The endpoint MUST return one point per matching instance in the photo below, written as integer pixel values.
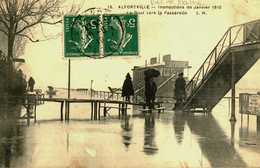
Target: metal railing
(99, 94)
(237, 35)
(140, 90)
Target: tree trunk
(10, 47)
(10, 71)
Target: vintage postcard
(129, 84)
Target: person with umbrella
(150, 86)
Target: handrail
(166, 81)
(138, 90)
(253, 21)
(200, 74)
(217, 54)
(159, 87)
(208, 57)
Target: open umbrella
(151, 73)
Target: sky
(186, 37)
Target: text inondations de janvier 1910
(169, 7)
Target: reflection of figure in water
(7, 154)
(179, 91)
(126, 131)
(31, 83)
(179, 125)
(150, 91)
(150, 146)
(127, 89)
(258, 125)
(10, 135)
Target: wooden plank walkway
(96, 105)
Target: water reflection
(11, 135)
(250, 128)
(258, 125)
(233, 124)
(179, 121)
(249, 133)
(96, 143)
(150, 146)
(127, 132)
(214, 143)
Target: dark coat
(150, 89)
(153, 90)
(127, 89)
(147, 89)
(180, 84)
(31, 82)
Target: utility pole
(69, 70)
(233, 89)
(91, 84)
(67, 106)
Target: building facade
(169, 70)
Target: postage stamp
(120, 34)
(81, 36)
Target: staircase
(212, 81)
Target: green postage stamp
(120, 35)
(83, 35)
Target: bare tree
(18, 17)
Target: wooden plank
(92, 110)
(119, 110)
(95, 106)
(94, 100)
(61, 111)
(99, 111)
(160, 109)
(25, 117)
(115, 107)
(95, 110)
(145, 110)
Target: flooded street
(171, 139)
(129, 84)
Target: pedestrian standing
(127, 89)
(147, 91)
(179, 91)
(31, 83)
(153, 92)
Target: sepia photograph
(129, 84)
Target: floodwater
(169, 140)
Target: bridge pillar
(232, 139)
(233, 89)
